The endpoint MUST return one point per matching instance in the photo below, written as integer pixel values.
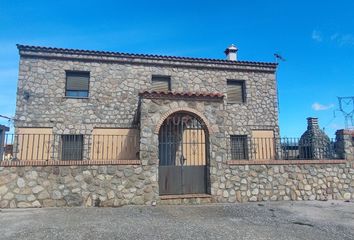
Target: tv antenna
(278, 57)
(346, 106)
(9, 119)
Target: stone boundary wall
(243, 183)
(58, 186)
(116, 185)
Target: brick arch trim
(184, 109)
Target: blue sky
(315, 37)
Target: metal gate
(183, 155)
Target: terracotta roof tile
(204, 95)
(143, 56)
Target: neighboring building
(182, 117)
(314, 143)
(3, 130)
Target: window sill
(68, 97)
(239, 103)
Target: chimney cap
(312, 119)
(231, 49)
(312, 122)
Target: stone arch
(184, 109)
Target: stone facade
(246, 182)
(117, 80)
(117, 100)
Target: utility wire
(9, 118)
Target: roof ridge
(113, 53)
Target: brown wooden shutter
(160, 84)
(77, 81)
(235, 92)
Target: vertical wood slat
(161, 83)
(265, 148)
(33, 143)
(111, 144)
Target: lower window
(238, 147)
(72, 147)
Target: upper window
(77, 84)
(161, 83)
(236, 91)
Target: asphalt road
(269, 220)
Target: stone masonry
(116, 81)
(117, 100)
(286, 182)
(120, 185)
(88, 186)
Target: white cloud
(340, 39)
(346, 39)
(319, 107)
(343, 39)
(317, 36)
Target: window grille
(72, 147)
(238, 147)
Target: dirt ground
(265, 220)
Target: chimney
(231, 53)
(312, 122)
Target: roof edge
(32, 48)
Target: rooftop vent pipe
(231, 53)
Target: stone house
(109, 128)
(77, 94)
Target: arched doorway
(183, 155)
